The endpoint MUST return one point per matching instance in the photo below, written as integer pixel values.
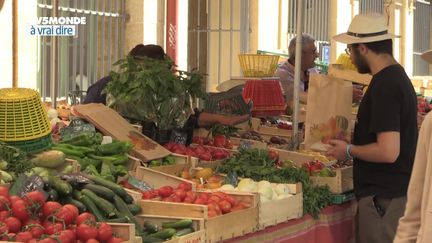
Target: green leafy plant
(149, 90)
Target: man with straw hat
(385, 133)
(415, 225)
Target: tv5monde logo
(56, 26)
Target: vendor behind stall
(95, 92)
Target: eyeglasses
(348, 51)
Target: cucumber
(118, 220)
(101, 203)
(100, 191)
(149, 239)
(124, 211)
(180, 224)
(163, 234)
(91, 206)
(134, 209)
(151, 228)
(117, 189)
(61, 186)
(81, 207)
(184, 231)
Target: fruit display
(219, 141)
(317, 168)
(32, 219)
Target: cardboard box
(109, 122)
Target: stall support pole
(297, 73)
(15, 43)
(54, 62)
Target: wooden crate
(133, 163)
(296, 157)
(76, 167)
(277, 211)
(342, 182)
(236, 142)
(197, 224)
(158, 179)
(274, 131)
(249, 126)
(124, 231)
(174, 170)
(217, 228)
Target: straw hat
(427, 56)
(365, 28)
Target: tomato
(49, 208)
(52, 228)
(64, 215)
(3, 228)
(32, 241)
(191, 194)
(31, 222)
(65, 236)
(23, 236)
(104, 232)
(214, 198)
(73, 209)
(185, 186)
(212, 206)
(13, 199)
(115, 240)
(200, 201)
(85, 217)
(165, 191)
(35, 229)
(13, 224)
(34, 197)
(219, 141)
(147, 195)
(4, 191)
(85, 232)
(47, 240)
(225, 206)
(212, 213)
(180, 193)
(4, 215)
(92, 241)
(188, 200)
(4, 203)
(19, 210)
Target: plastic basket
(257, 65)
(33, 146)
(22, 116)
(226, 103)
(266, 97)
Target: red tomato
(49, 208)
(212, 214)
(47, 240)
(19, 210)
(185, 186)
(23, 236)
(104, 232)
(180, 193)
(35, 229)
(31, 222)
(225, 206)
(4, 203)
(147, 195)
(73, 209)
(191, 194)
(65, 216)
(3, 228)
(4, 215)
(231, 200)
(13, 199)
(212, 206)
(115, 240)
(92, 241)
(34, 197)
(85, 232)
(85, 217)
(188, 200)
(165, 191)
(214, 198)
(13, 224)
(52, 228)
(4, 191)
(200, 201)
(65, 236)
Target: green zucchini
(101, 203)
(163, 234)
(180, 224)
(134, 209)
(91, 206)
(118, 220)
(61, 186)
(150, 227)
(149, 239)
(100, 191)
(124, 211)
(117, 189)
(184, 231)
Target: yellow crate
(257, 65)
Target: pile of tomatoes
(31, 219)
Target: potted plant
(148, 90)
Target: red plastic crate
(266, 96)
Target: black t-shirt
(94, 92)
(389, 104)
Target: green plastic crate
(342, 198)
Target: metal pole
(54, 61)
(14, 43)
(297, 70)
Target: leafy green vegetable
(16, 159)
(219, 129)
(148, 90)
